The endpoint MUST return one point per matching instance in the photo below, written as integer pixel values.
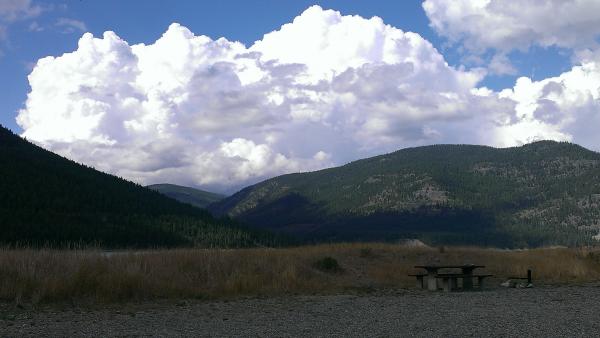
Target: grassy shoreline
(48, 276)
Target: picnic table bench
(448, 281)
(512, 281)
(528, 278)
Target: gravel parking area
(539, 312)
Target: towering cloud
(322, 90)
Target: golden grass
(28, 275)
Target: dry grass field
(47, 276)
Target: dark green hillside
(46, 199)
(196, 197)
(538, 194)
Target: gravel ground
(539, 312)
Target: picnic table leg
(431, 282)
(447, 284)
(468, 279)
(480, 282)
(420, 284)
(468, 283)
(453, 283)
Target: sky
(222, 94)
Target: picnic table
(449, 281)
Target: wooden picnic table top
(461, 275)
(463, 266)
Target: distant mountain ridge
(196, 197)
(46, 199)
(538, 194)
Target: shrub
(328, 264)
(366, 253)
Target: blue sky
(245, 21)
(309, 85)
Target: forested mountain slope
(537, 194)
(196, 197)
(46, 199)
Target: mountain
(196, 197)
(46, 199)
(538, 194)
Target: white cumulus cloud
(566, 107)
(320, 91)
(509, 25)
(496, 28)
